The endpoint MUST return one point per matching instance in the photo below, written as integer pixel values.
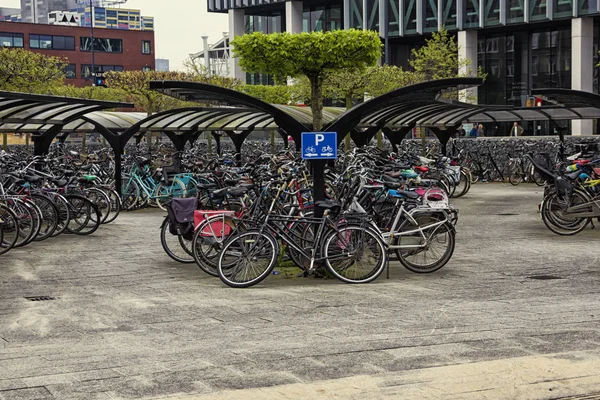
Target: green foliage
(24, 71)
(285, 55)
(438, 59)
(90, 92)
(386, 78)
(135, 84)
(278, 94)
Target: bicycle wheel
(50, 217)
(247, 258)
(515, 175)
(101, 200)
(64, 213)
(208, 241)
(354, 254)
(130, 193)
(463, 186)
(85, 216)
(26, 223)
(432, 250)
(557, 220)
(164, 193)
(175, 245)
(9, 227)
(115, 205)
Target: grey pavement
(513, 315)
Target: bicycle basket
(181, 217)
(435, 198)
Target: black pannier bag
(181, 217)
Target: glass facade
(551, 59)
(516, 11)
(322, 18)
(356, 14)
(265, 23)
(431, 16)
(449, 17)
(492, 13)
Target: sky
(178, 24)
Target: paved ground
(129, 323)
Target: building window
(102, 45)
(146, 68)
(86, 69)
(11, 39)
(146, 47)
(71, 71)
(49, 42)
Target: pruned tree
(24, 71)
(286, 55)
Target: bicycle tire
(407, 257)
(50, 217)
(206, 249)
(552, 210)
(355, 237)
(174, 244)
(9, 224)
(85, 216)
(241, 254)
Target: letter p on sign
(319, 138)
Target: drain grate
(506, 214)
(544, 277)
(40, 298)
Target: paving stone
(129, 322)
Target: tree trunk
(4, 141)
(103, 141)
(27, 138)
(272, 142)
(423, 141)
(316, 101)
(347, 139)
(379, 135)
(209, 141)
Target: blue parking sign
(319, 145)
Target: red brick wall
(131, 58)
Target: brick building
(114, 49)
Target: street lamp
(92, 41)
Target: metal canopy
(30, 113)
(113, 121)
(204, 119)
(233, 113)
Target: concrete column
(236, 28)
(293, 16)
(206, 54)
(467, 49)
(347, 6)
(582, 63)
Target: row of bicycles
(571, 200)
(44, 197)
(377, 205)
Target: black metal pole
(386, 37)
(92, 42)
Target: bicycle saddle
(219, 193)
(237, 191)
(328, 204)
(392, 185)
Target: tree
(439, 59)
(136, 85)
(387, 78)
(24, 71)
(278, 94)
(286, 55)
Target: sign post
(318, 147)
